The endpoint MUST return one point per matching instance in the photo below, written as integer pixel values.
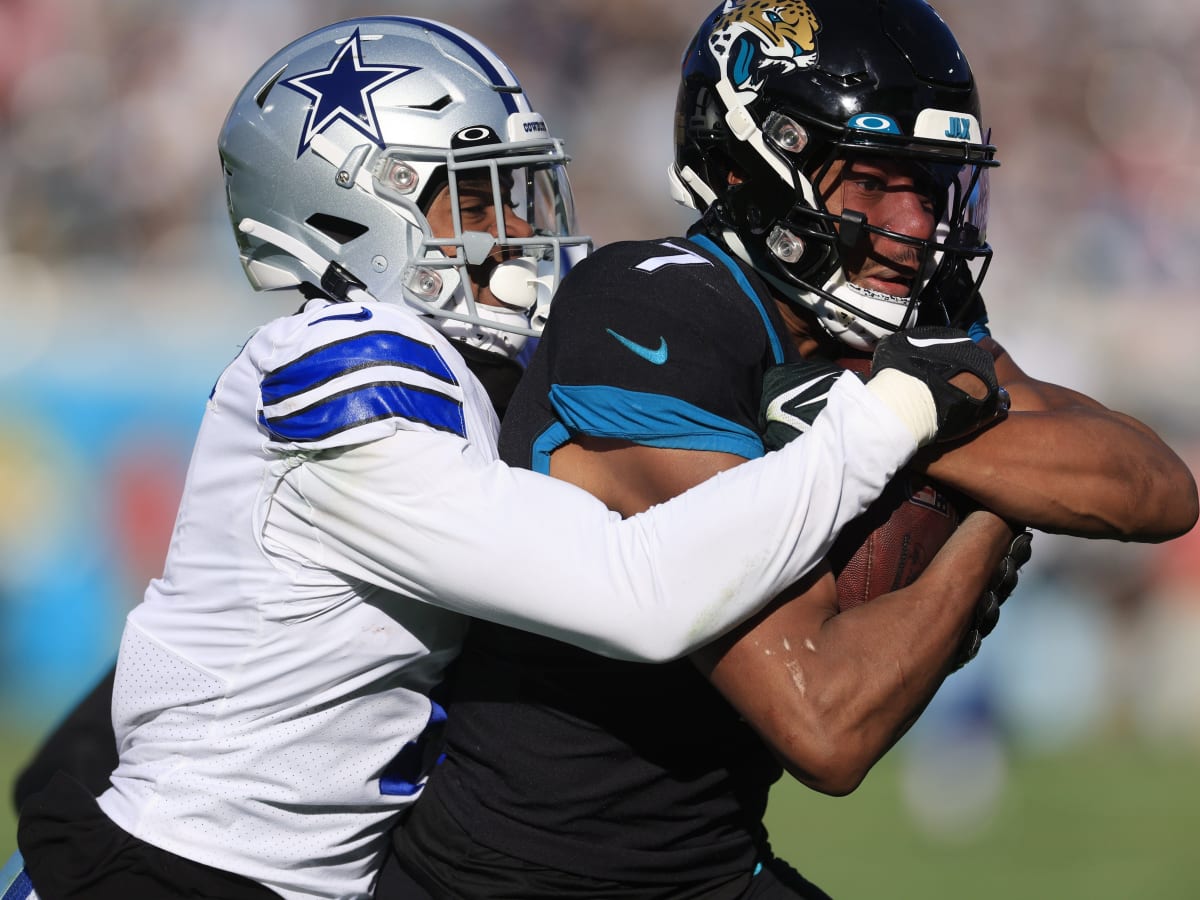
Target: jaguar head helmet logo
(752, 37)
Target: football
(890, 544)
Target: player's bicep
(631, 477)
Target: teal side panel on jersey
(744, 284)
(545, 444)
(653, 420)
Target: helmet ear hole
(337, 229)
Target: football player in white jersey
(345, 512)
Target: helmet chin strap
(849, 329)
(855, 331)
(500, 340)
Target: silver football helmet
(335, 148)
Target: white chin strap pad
(850, 329)
(514, 282)
(525, 284)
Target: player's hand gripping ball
(889, 545)
(1004, 581)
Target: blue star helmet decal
(342, 91)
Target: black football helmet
(776, 92)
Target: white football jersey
(344, 512)
(260, 693)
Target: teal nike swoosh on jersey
(654, 357)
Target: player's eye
(867, 184)
(474, 209)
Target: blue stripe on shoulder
(368, 403)
(744, 283)
(654, 420)
(14, 880)
(374, 348)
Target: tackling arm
(428, 517)
(1062, 462)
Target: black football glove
(1004, 580)
(792, 396)
(935, 354)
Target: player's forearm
(1084, 470)
(831, 693)
(1063, 462)
(916, 635)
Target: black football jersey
(641, 774)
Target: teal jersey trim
(653, 420)
(744, 283)
(551, 438)
(979, 329)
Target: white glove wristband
(910, 399)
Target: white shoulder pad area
(341, 374)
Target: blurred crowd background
(122, 299)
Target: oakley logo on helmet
(342, 92)
(874, 122)
(474, 136)
(753, 35)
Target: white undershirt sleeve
(425, 515)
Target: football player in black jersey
(835, 151)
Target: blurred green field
(1114, 822)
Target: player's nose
(907, 212)
(515, 226)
